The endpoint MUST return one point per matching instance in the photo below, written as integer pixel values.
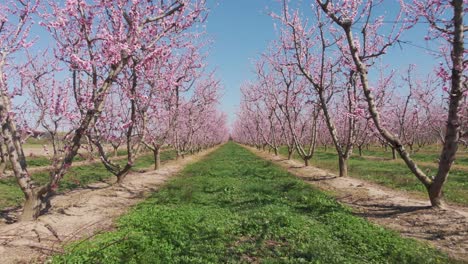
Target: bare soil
(9, 173)
(32, 150)
(446, 229)
(433, 164)
(80, 214)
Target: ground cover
(78, 176)
(394, 173)
(235, 207)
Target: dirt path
(80, 214)
(446, 229)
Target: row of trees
(324, 80)
(126, 73)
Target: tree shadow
(98, 187)
(385, 211)
(319, 178)
(135, 194)
(9, 215)
(297, 167)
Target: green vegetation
(234, 207)
(79, 176)
(394, 173)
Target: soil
(32, 150)
(446, 229)
(9, 173)
(433, 164)
(80, 214)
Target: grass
(79, 176)
(394, 173)
(233, 207)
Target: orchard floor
(231, 206)
(81, 213)
(235, 207)
(445, 229)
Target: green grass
(391, 173)
(79, 176)
(233, 207)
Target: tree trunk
(435, 195)
(2, 153)
(306, 162)
(157, 158)
(2, 161)
(453, 127)
(360, 151)
(89, 148)
(31, 206)
(116, 154)
(343, 165)
(276, 151)
(393, 153)
(121, 177)
(2, 168)
(290, 152)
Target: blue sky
(242, 29)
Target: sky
(242, 29)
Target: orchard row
(120, 73)
(325, 80)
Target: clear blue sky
(242, 29)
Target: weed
(233, 207)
